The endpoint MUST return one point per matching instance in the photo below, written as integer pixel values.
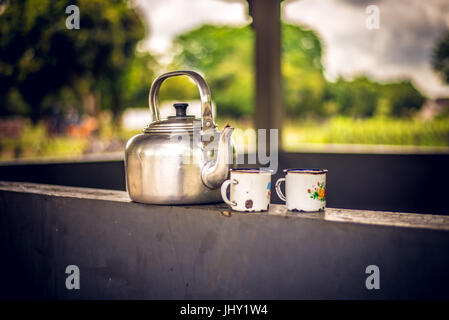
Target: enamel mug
(250, 189)
(305, 189)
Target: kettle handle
(207, 120)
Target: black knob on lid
(180, 109)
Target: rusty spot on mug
(248, 204)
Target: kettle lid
(181, 122)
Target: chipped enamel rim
(251, 170)
(305, 171)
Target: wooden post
(269, 111)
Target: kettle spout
(215, 172)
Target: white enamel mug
(305, 189)
(250, 189)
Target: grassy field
(379, 131)
(36, 143)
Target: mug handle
(278, 189)
(224, 188)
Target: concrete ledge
(387, 182)
(396, 219)
(131, 250)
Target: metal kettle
(181, 159)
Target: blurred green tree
(178, 89)
(440, 57)
(357, 97)
(403, 97)
(304, 84)
(133, 83)
(362, 97)
(39, 56)
(224, 55)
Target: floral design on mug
(318, 192)
(269, 190)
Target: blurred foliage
(180, 89)
(304, 84)
(136, 80)
(224, 55)
(36, 142)
(43, 64)
(440, 57)
(362, 97)
(376, 130)
(46, 69)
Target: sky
(400, 48)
